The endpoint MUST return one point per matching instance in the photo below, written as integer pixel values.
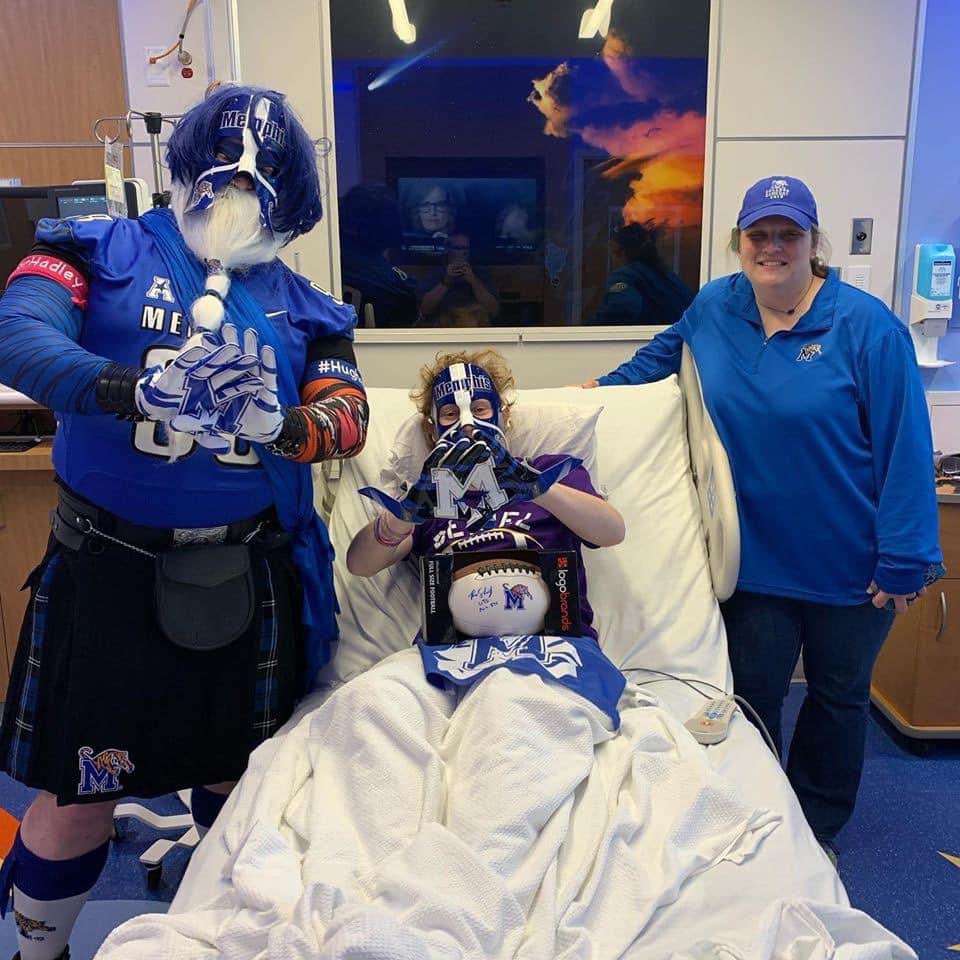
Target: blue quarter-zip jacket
(828, 436)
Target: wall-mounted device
(861, 239)
(931, 300)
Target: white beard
(228, 231)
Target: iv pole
(154, 122)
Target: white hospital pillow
(535, 429)
(652, 595)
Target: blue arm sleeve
(907, 522)
(655, 360)
(39, 354)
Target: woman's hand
(586, 385)
(901, 601)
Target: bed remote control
(709, 724)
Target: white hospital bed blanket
(731, 911)
(795, 930)
(398, 820)
(786, 902)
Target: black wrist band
(292, 437)
(116, 390)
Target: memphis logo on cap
(778, 196)
(777, 190)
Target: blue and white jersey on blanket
(575, 662)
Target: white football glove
(234, 409)
(198, 381)
(258, 416)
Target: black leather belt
(76, 521)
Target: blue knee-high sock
(205, 805)
(47, 896)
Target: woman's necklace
(793, 309)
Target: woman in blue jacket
(814, 389)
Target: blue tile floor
(907, 816)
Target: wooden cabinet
(27, 495)
(46, 124)
(916, 680)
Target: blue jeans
(765, 635)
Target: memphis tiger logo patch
(202, 191)
(514, 596)
(809, 352)
(100, 772)
(30, 928)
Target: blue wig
(192, 150)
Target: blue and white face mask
(250, 139)
(462, 384)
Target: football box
(559, 569)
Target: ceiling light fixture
(596, 20)
(402, 26)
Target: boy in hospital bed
(547, 504)
(499, 685)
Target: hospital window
(519, 162)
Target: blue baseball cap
(779, 197)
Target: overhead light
(402, 26)
(596, 20)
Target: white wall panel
(291, 53)
(849, 178)
(815, 68)
(157, 24)
(944, 406)
(395, 359)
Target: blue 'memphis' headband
(462, 383)
(258, 126)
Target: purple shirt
(522, 525)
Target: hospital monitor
(89, 196)
(22, 207)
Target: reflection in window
(502, 172)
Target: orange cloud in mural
(631, 112)
(669, 191)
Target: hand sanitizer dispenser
(931, 304)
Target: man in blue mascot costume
(186, 596)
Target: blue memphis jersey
(134, 318)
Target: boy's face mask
(461, 385)
(251, 140)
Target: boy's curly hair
(491, 360)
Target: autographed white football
(499, 598)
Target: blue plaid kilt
(101, 705)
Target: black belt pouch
(205, 596)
